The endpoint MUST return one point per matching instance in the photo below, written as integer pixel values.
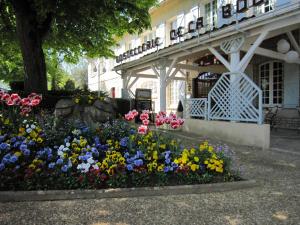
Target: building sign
(241, 7)
(138, 50)
(193, 26)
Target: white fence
(196, 107)
(235, 97)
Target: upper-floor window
(211, 14)
(268, 6)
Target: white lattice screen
(196, 107)
(235, 97)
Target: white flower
(76, 132)
(90, 160)
(60, 153)
(61, 147)
(84, 167)
(27, 125)
(28, 130)
(66, 149)
(33, 126)
(68, 144)
(95, 167)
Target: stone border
(53, 195)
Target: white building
(256, 43)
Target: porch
(256, 74)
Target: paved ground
(275, 201)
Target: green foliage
(70, 85)
(79, 27)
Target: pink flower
(144, 116)
(9, 102)
(181, 121)
(175, 124)
(32, 95)
(162, 113)
(16, 99)
(25, 110)
(146, 122)
(142, 129)
(5, 96)
(173, 116)
(129, 116)
(167, 120)
(159, 122)
(25, 101)
(134, 112)
(35, 102)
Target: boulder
(100, 111)
(64, 107)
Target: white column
(163, 88)
(234, 62)
(125, 93)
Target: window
(150, 85)
(211, 14)
(176, 87)
(266, 7)
(271, 82)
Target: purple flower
(166, 169)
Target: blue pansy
(59, 161)
(51, 165)
(26, 152)
(138, 162)
(13, 139)
(4, 146)
(23, 147)
(64, 168)
(1, 138)
(166, 169)
(129, 167)
(124, 141)
(2, 166)
(168, 160)
(132, 131)
(13, 159)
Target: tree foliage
(72, 28)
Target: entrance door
(271, 83)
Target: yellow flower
(160, 168)
(39, 140)
(196, 159)
(176, 161)
(76, 100)
(210, 148)
(122, 160)
(219, 169)
(139, 142)
(163, 146)
(38, 170)
(18, 154)
(193, 151)
(21, 129)
(6, 121)
(155, 156)
(31, 166)
(202, 147)
(194, 167)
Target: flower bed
(59, 155)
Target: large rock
(100, 111)
(64, 107)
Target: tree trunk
(31, 47)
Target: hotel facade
(228, 61)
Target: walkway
(275, 201)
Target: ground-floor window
(271, 82)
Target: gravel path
(275, 201)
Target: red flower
(142, 129)
(181, 121)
